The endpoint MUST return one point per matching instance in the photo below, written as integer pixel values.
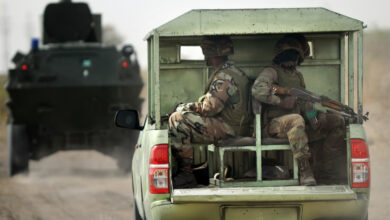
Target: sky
(133, 19)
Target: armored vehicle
(228, 193)
(64, 94)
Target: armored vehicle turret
(64, 93)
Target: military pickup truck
(335, 54)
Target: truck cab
(334, 69)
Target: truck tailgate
(261, 194)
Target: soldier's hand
(288, 102)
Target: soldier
(221, 113)
(283, 114)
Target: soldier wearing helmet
(222, 112)
(282, 115)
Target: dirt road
(67, 185)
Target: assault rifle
(333, 105)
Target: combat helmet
(295, 42)
(216, 46)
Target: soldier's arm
(222, 91)
(261, 89)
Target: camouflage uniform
(221, 113)
(326, 137)
(327, 141)
(280, 122)
(204, 122)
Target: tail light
(360, 166)
(24, 67)
(125, 64)
(159, 169)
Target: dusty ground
(66, 185)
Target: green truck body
(329, 71)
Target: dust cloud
(376, 101)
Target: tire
(18, 149)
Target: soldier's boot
(306, 177)
(184, 177)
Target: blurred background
(87, 184)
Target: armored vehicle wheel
(18, 149)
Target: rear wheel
(18, 149)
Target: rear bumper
(264, 194)
(325, 202)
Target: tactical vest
(239, 115)
(286, 80)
